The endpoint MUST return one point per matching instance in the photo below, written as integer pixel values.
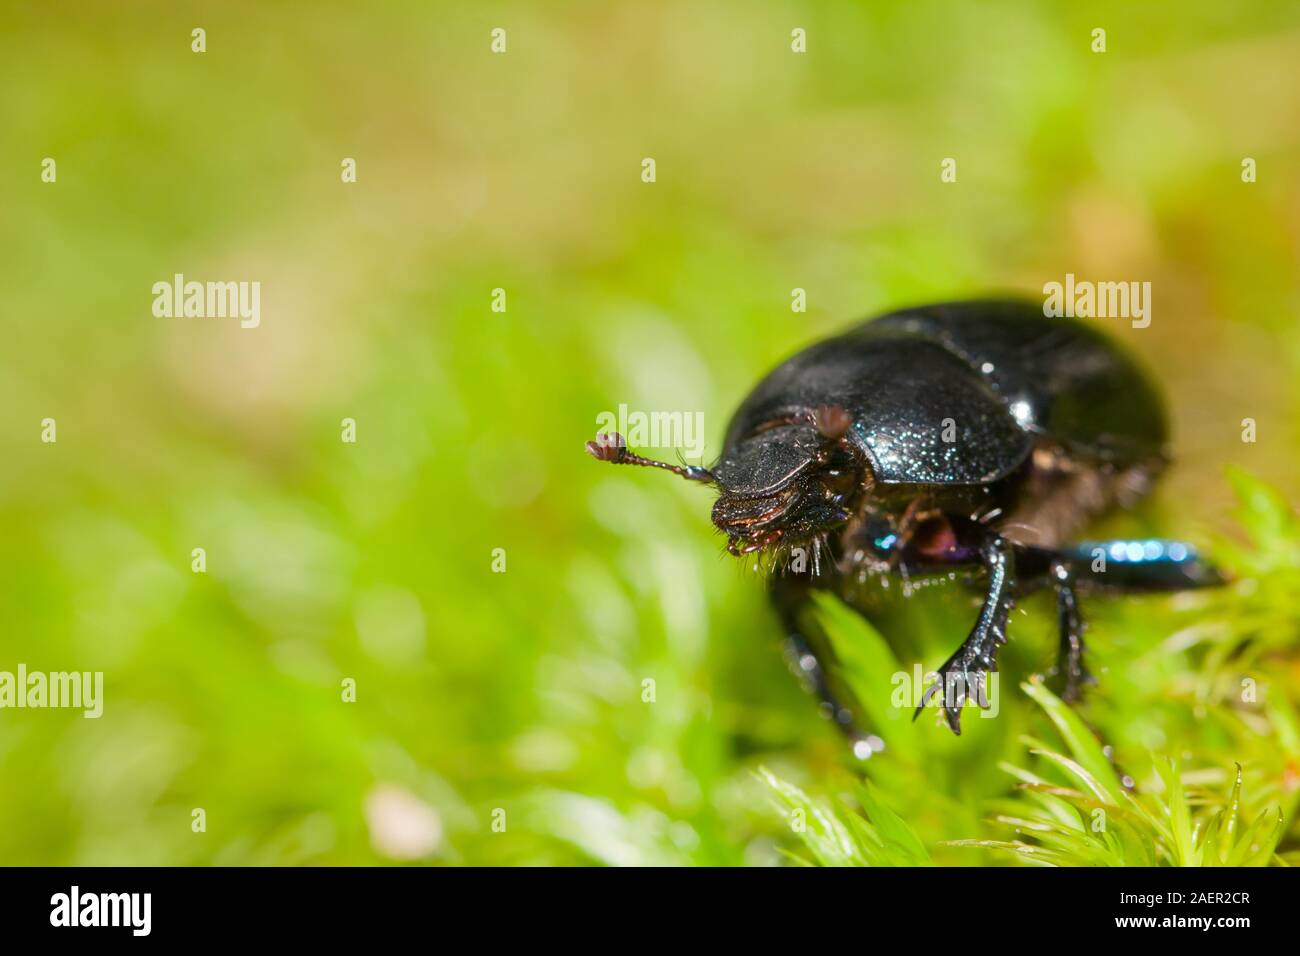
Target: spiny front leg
(965, 674)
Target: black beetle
(970, 435)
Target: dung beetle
(962, 437)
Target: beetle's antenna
(612, 448)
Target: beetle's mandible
(971, 435)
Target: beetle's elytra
(970, 435)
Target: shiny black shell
(994, 377)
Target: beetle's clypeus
(972, 435)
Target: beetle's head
(788, 482)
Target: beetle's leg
(811, 660)
(1069, 663)
(1142, 565)
(1129, 566)
(965, 674)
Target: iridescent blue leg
(1139, 564)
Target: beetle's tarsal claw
(1075, 682)
(965, 675)
(1069, 683)
(957, 682)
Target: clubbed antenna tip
(607, 447)
(612, 448)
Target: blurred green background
(521, 692)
